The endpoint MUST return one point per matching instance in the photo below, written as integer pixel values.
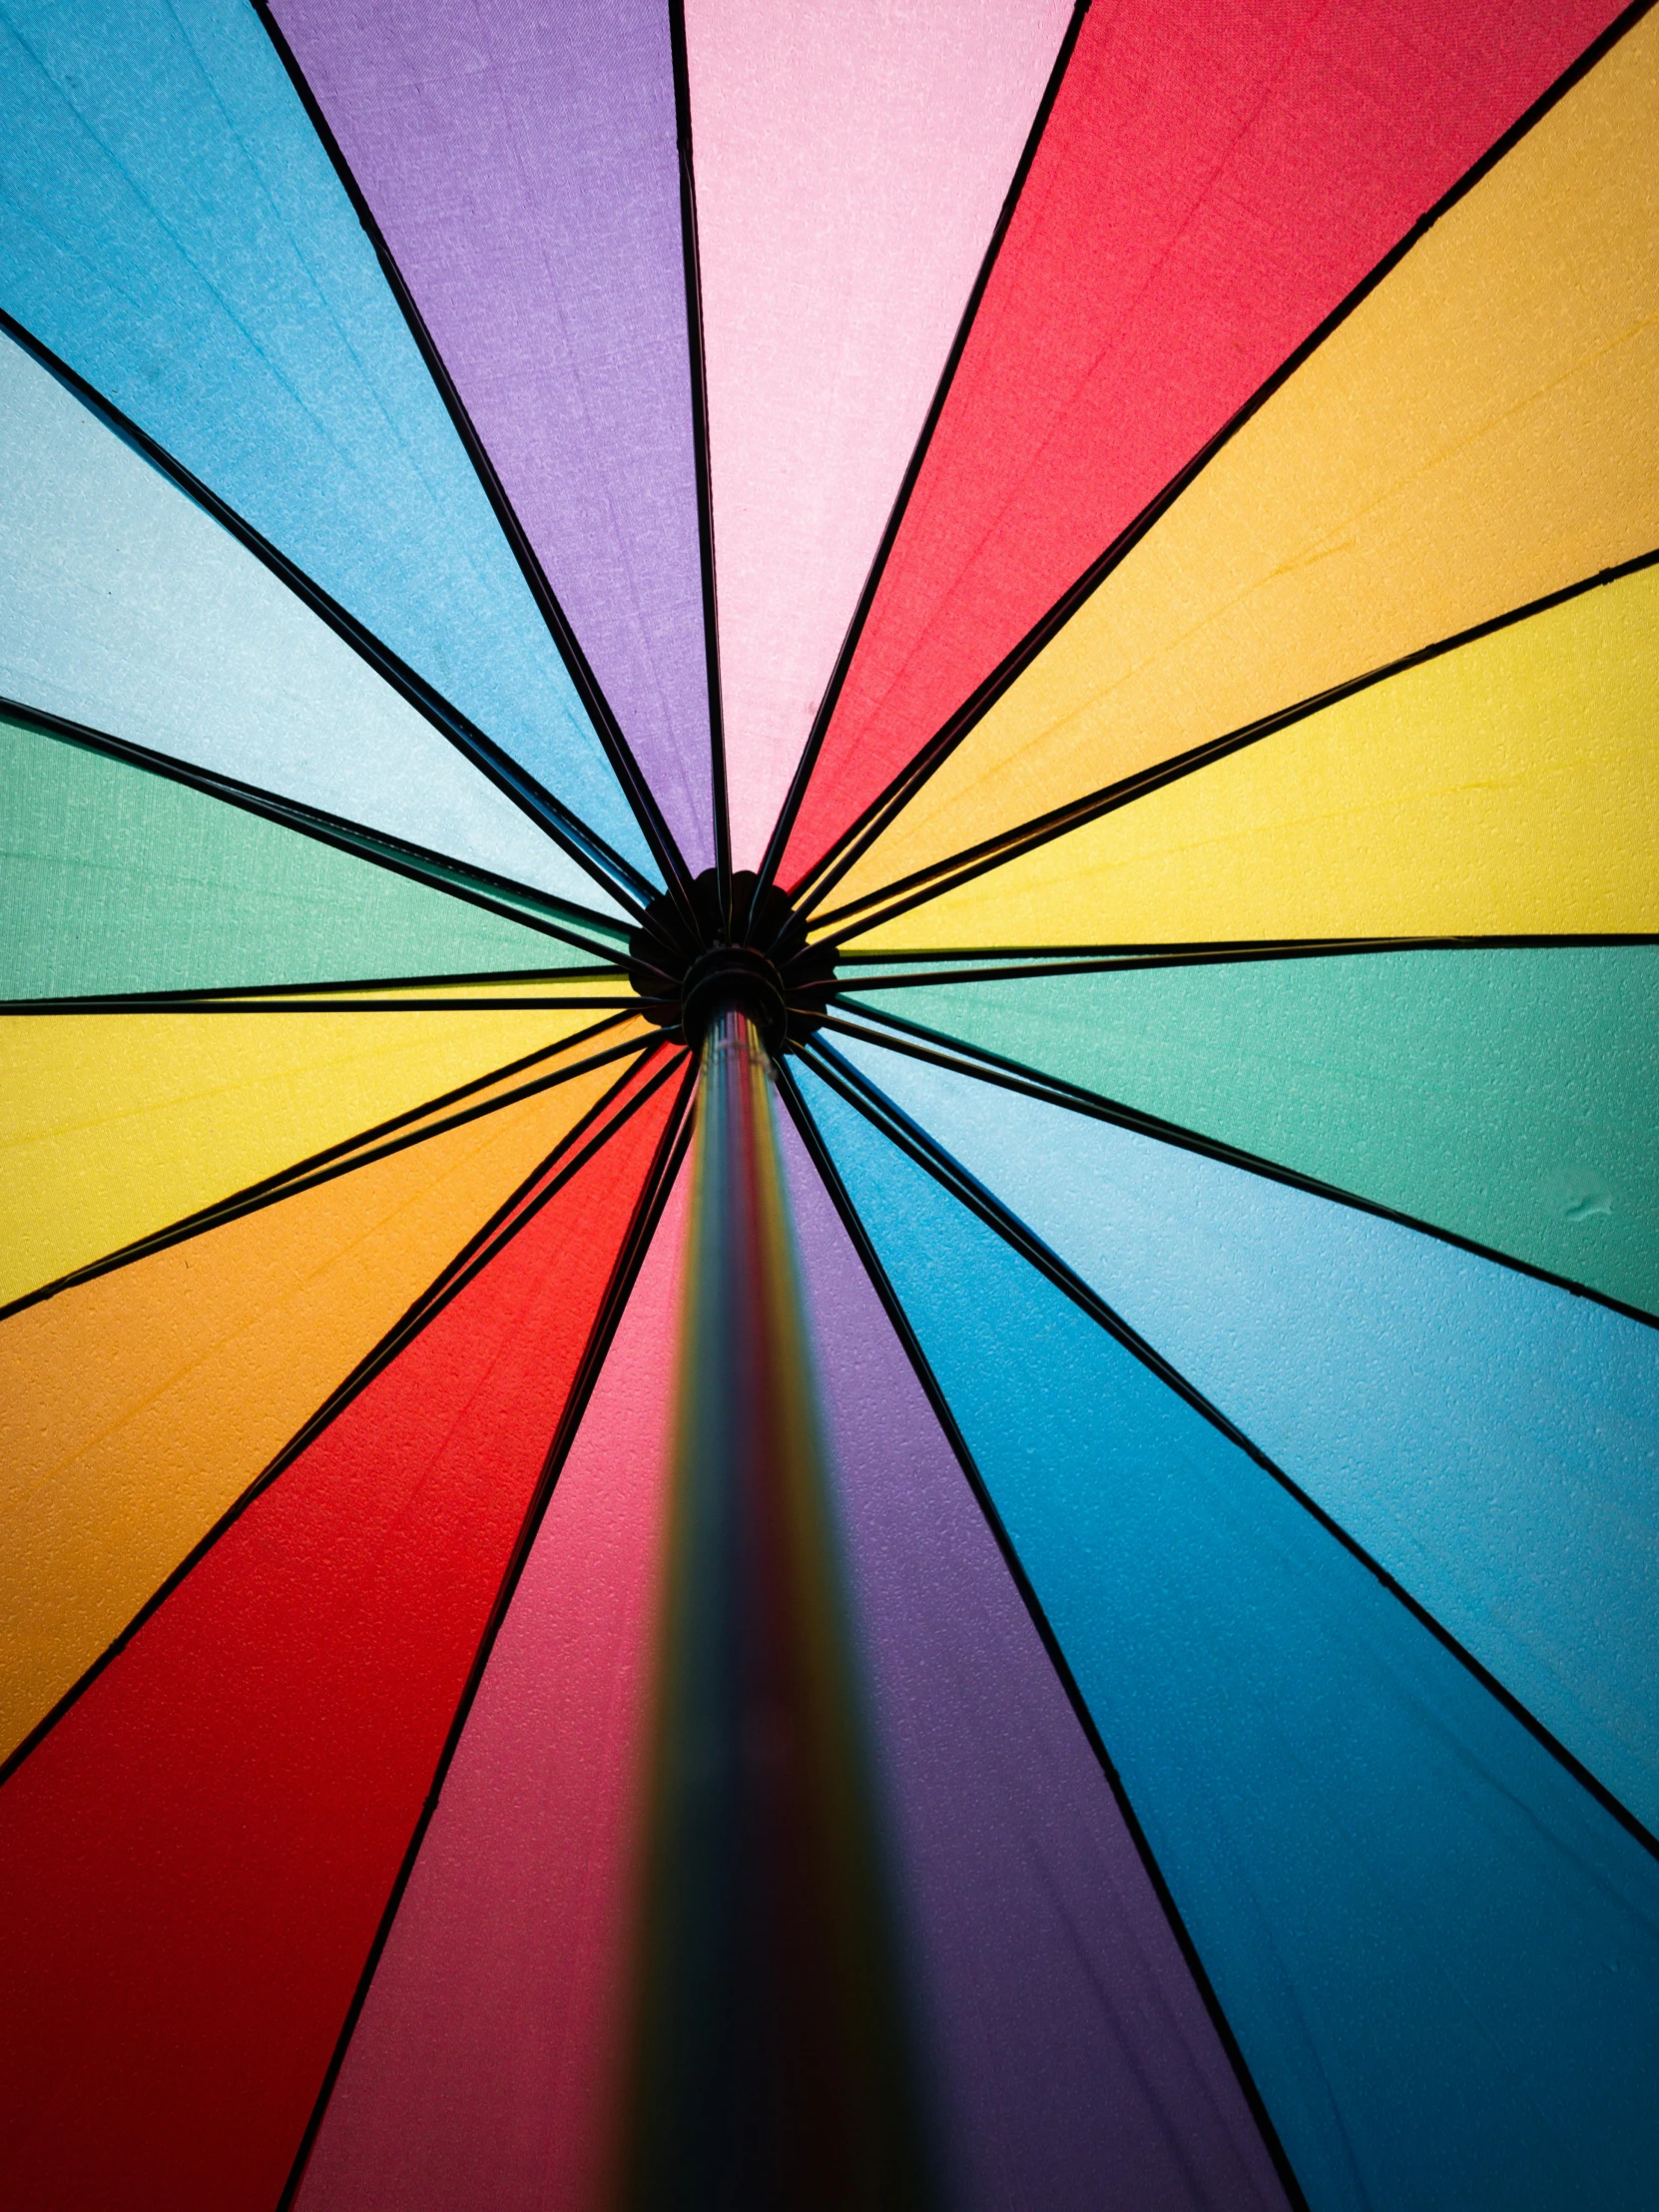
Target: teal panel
(130, 610)
(114, 880)
(1438, 1952)
(1491, 1439)
(172, 227)
(1510, 1096)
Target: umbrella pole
(774, 2053)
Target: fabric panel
(521, 162)
(850, 165)
(140, 1405)
(1212, 182)
(117, 1125)
(114, 880)
(485, 2066)
(197, 1855)
(1471, 438)
(131, 611)
(1077, 2066)
(172, 227)
(1509, 787)
(1439, 1954)
(1487, 1438)
(1507, 1095)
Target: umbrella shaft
(773, 2059)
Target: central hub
(748, 952)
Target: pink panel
(851, 160)
(486, 2065)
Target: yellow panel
(116, 1124)
(1510, 787)
(137, 1407)
(1479, 432)
(441, 1114)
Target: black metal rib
(653, 828)
(1021, 964)
(700, 456)
(293, 1003)
(894, 1124)
(327, 990)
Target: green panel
(115, 880)
(1512, 1096)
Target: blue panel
(130, 610)
(172, 227)
(1492, 1439)
(1438, 1952)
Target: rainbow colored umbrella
(833, 1048)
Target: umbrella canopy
(832, 1033)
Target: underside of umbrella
(830, 1014)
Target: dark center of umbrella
(687, 959)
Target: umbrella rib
(504, 1224)
(221, 999)
(555, 820)
(859, 1238)
(1030, 962)
(184, 1003)
(947, 875)
(497, 894)
(697, 368)
(855, 840)
(358, 1151)
(917, 1042)
(653, 827)
(648, 1210)
(941, 392)
(914, 1141)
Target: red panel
(1213, 180)
(490, 2061)
(194, 1863)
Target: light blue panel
(1438, 1952)
(172, 227)
(1492, 1440)
(129, 609)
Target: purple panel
(521, 162)
(1078, 2067)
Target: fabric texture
(1465, 441)
(1505, 1095)
(490, 2059)
(521, 162)
(133, 612)
(320, 1646)
(850, 165)
(1439, 1954)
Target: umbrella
(831, 985)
